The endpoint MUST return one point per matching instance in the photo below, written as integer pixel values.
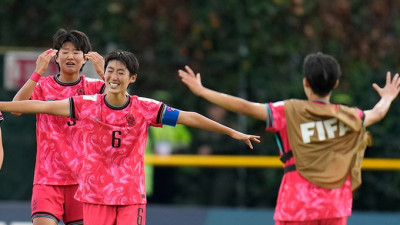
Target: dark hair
(321, 71)
(77, 38)
(127, 58)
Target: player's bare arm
(196, 120)
(232, 103)
(42, 63)
(388, 93)
(97, 61)
(57, 108)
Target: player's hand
(98, 62)
(192, 81)
(246, 138)
(43, 60)
(391, 88)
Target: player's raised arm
(42, 63)
(196, 120)
(388, 93)
(232, 103)
(57, 108)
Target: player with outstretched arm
(321, 144)
(114, 132)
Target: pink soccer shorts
(94, 214)
(333, 221)
(56, 202)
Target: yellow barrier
(251, 161)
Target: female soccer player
(55, 181)
(114, 132)
(321, 144)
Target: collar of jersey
(57, 79)
(123, 106)
(321, 101)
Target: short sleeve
(275, 116)
(79, 106)
(361, 114)
(152, 110)
(94, 86)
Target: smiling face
(70, 59)
(117, 77)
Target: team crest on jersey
(80, 91)
(130, 120)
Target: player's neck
(313, 97)
(116, 99)
(67, 77)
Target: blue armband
(170, 116)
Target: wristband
(35, 77)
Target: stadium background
(251, 48)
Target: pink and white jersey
(114, 143)
(298, 198)
(57, 156)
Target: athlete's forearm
(192, 119)
(379, 111)
(26, 91)
(226, 101)
(235, 104)
(24, 106)
(231, 103)
(58, 108)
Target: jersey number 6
(116, 142)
